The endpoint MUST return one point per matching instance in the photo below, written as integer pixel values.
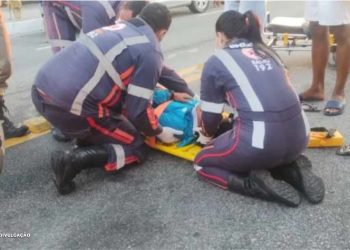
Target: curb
(38, 126)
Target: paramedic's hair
(236, 25)
(135, 6)
(157, 16)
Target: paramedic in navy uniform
(64, 19)
(105, 102)
(271, 131)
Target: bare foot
(312, 95)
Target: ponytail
(254, 35)
(252, 24)
(247, 26)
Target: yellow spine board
(189, 152)
(319, 140)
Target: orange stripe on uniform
(113, 166)
(114, 95)
(110, 95)
(115, 100)
(120, 137)
(127, 73)
(152, 118)
(127, 138)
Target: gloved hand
(169, 135)
(202, 138)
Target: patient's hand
(181, 97)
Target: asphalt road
(161, 204)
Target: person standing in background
(258, 7)
(10, 130)
(7, 129)
(15, 8)
(325, 16)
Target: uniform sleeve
(94, 16)
(172, 81)
(139, 94)
(212, 97)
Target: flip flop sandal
(307, 107)
(344, 151)
(309, 99)
(334, 104)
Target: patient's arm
(181, 97)
(172, 81)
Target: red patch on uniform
(250, 53)
(117, 26)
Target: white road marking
(44, 47)
(193, 50)
(171, 56)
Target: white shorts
(328, 12)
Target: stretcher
(293, 34)
(319, 137)
(322, 137)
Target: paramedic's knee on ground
(113, 111)
(270, 131)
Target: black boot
(59, 136)
(66, 165)
(260, 184)
(10, 130)
(300, 176)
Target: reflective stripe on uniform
(56, 25)
(108, 8)
(118, 49)
(60, 43)
(71, 17)
(211, 107)
(196, 167)
(306, 123)
(238, 74)
(258, 136)
(108, 66)
(140, 91)
(241, 79)
(77, 104)
(120, 156)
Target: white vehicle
(196, 6)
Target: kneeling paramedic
(64, 19)
(99, 90)
(271, 131)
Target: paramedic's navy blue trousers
(110, 132)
